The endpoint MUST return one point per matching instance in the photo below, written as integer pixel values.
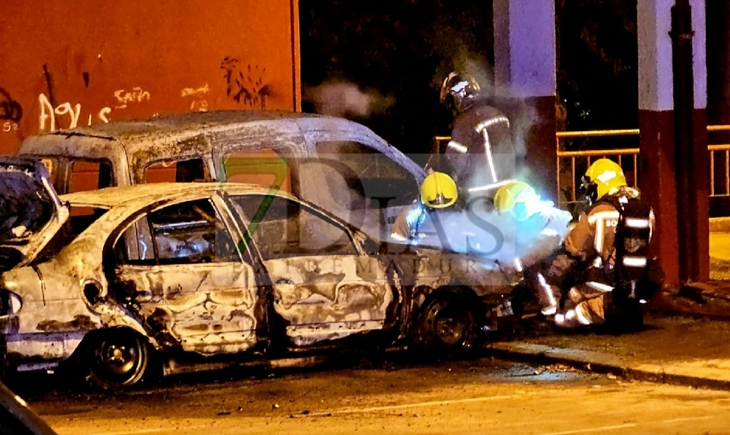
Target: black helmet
(460, 89)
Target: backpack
(633, 236)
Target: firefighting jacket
(481, 138)
(592, 237)
(409, 221)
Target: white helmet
(460, 90)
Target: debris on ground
(562, 368)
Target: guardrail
(588, 155)
(568, 179)
(619, 154)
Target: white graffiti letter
(46, 113)
(67, 109)
(102, 114)
(139, 94)
(192, 91)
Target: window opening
(286, 228)
(373, 179)
(184, 171)
(263, 167)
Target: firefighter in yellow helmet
(537, 233)
(581, 271)
(438, 191)
(605, 177)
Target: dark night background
(400, 50)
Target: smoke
(342, 99)
(521, 112)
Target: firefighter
(480, 148)
(581, 270)
(539, 229)
(438, 191)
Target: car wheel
(117, 359)
(445, 326)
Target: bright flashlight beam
(490, 186)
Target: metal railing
(588, 155)
(584, 157)
(723, 148)
(619, 154)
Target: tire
(117, 359)
(445, 327)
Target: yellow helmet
(438, 190)
(511, 198)
(601, 178)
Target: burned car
(335, 163)
(125, 281)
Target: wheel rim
(449, 331)
(448, 324)
(119, 360)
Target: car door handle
(284, 281)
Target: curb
(705, 300)
(597, 362)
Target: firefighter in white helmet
(480, 149)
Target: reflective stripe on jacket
(594, 233)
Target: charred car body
(331, 162)
(121, 279)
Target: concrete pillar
(524, 77)
(660, 168)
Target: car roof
(135, 136)
(143, 193)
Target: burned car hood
(420, 264)
(30, 211)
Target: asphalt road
(463, 397)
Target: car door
(199, 291)
(324, 288)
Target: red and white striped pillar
(675, 180)
(524, 75)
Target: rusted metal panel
(329, 297)
(35, 352)
(205, 308)
(68, 67)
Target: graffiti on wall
(199, 97)
(48, 121)
(245, 84)
(11, 112)
(136, 95)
